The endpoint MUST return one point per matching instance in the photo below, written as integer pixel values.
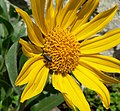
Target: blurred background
(12, 27)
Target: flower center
(61, 51)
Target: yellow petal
(28, 49)
(101, 43)
(57, 79)
(38, 33)
(87, 78)
(36, 86)
(59, 6)
(95, 25)
(103, 63)
(30, 66)
(38, 7)
(71, 13)
(68, 86)
(100, 75)
(68, 101)
(68, 9)
(30, 27)
(50, 15)
(84, 13)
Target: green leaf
(19, 30)
(22, 60)
(7, 25)
(5, 46)
(4, 11)
(5, 85)
(2, 93)
(1, 32)
(6, 103)
(1, 63)
(1, 10)
(48, 103)
(11, 64)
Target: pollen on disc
(64, 50)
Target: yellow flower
(62, 44)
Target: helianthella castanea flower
(62, 43)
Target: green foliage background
(12, 27)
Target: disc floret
(63, 49)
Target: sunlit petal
(95, 25)
(71, 13)
(30, 27)
(87, 78)
(36, 86)
(100, 75)
(101, 43)
(67, 10)
(84, 13)
(103, 63)
(69, 102)
(28, 49)
(59, 6)
(65, 84)
(50, 15)
(38, 14)
(33, 65)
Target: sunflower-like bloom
(63, 45)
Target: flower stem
(22, 106)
